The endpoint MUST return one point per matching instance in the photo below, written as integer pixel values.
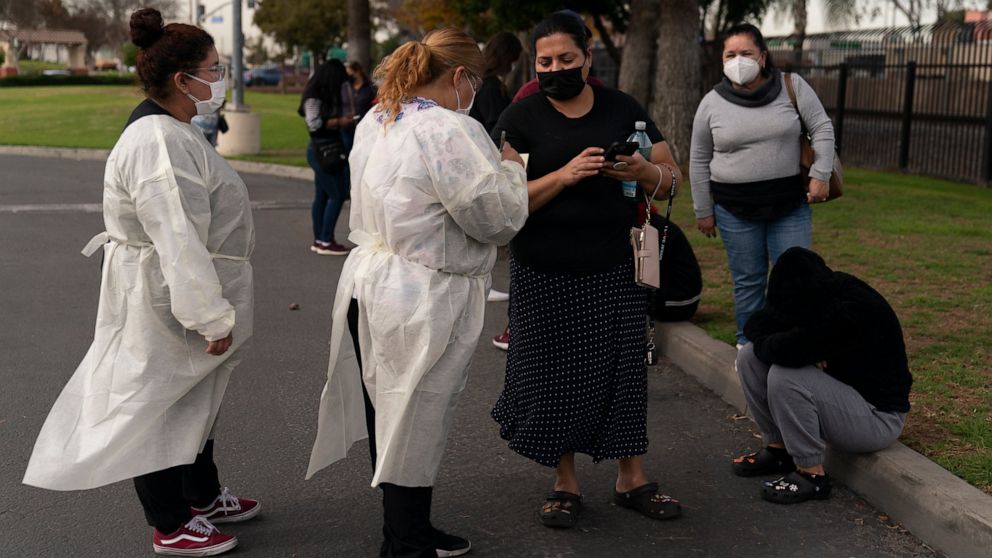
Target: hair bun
(146, 27)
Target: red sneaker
(228, 508)
(197, 538)
(502, 340)
(331, 249)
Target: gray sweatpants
(806, 409)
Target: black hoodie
(814, 314)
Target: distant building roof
(47, 36)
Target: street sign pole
(244, 134)
(237, 67)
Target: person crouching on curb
(432, 197)
(175, 310)
(826, 365)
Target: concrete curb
(936, 506)
(55, 152)
(248, 167)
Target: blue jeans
(330, 191)
(750, 245)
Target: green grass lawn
(93, 116)
(925, 244)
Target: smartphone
(626, 148)
(502, 140)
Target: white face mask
(741, 69)
(458, 100)
(211, 105)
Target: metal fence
(918, 101)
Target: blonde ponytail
(419, 63)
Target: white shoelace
(228, 501)
(199, 524)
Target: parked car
(56, 73)
(266, 75)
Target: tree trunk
(639, 51)
(604, 36)
(799, 17)
(359, 33)
(677, 88)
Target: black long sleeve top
(814, 314)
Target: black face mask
(563, 84)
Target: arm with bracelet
(650, 175)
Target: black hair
(567, 22)
(325, 85)
(502, 50)
(357, 68)
(164, 50)
(759, 41)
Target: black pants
(369, 409)
(167, 495)
(406, 529)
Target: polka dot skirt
(575, 374)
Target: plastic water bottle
(641, 137)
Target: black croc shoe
(649, 502)
(796, 487)
(763, 462)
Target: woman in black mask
(575, 378)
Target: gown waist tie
(372, 242)
(102, 238)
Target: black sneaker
(450, 545)
(766, 461)
(796, 487)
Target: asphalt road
(49, 208)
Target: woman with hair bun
(175, 308)
(431, 199)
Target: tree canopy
(315, 25)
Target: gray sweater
(734, 144)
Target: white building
(217, 21)
(874, 14)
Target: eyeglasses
(218, 71)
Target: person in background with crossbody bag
(321, 108)
(745, 165)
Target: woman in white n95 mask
(744, 165)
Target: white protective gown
(176, 273)
(430, 202)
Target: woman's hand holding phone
(585, 164)
(638, 169)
